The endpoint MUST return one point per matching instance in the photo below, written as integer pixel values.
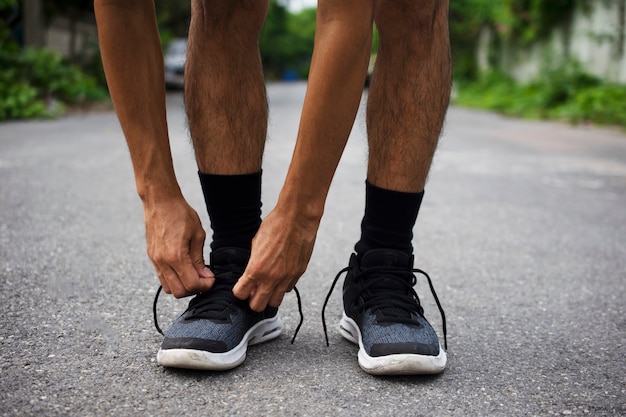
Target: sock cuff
(233, 203)
(392, 206)
(231, 190)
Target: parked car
(174, 63)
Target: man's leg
(409, 92)
(227, 112)
(224, 85)
(408, 98)
(407, 103)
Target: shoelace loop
(295, 333)
(154, 309)
(386, 304)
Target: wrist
(301, 203)
(154, 190)
(155, 178)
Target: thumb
(245, 286)
(205, 272)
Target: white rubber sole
(263, 331)
(399, 364)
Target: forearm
(336, 79)
(133, 64)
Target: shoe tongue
(385, 257)
(228, 264)
(378, 258)
(230, 256)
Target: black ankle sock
(389, 219)
(234, 206)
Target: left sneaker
(216, 329)
(383, 315)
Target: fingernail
(207, 273)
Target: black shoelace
(217, 304)
(393, 306)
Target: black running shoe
(383, 315)
(216, 329)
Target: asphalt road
(523, 230)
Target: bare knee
(402, 22)
(131, 6)
(229, 18)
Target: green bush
(565, 93)
(494, 91)
(39, 82)
(54, 77)
(605, 104)
(18, 100)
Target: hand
(281, 251)
(175, 242)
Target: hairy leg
(409, 92)
(224, 86)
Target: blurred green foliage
(287, 41)
(39, 82)
(565, 93)
(35, 83)
(520, 21)
(173, 19)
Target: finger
(244, 286)
(261, 297)
(205, 272)
(173, 282)
(276, 298)
(292, 284)
(162, 281)
(164, 285)
(279, 293)
(191, 280)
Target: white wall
(58, 36)
(592, 38)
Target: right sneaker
(216, 329)
(383, 315)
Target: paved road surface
(523, 230)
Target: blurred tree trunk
(621, 22)
(33, 23)
(73, 16)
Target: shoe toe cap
(215, 346)
(385, 349)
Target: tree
(287, 40)
(33, 23)
(173, 18)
